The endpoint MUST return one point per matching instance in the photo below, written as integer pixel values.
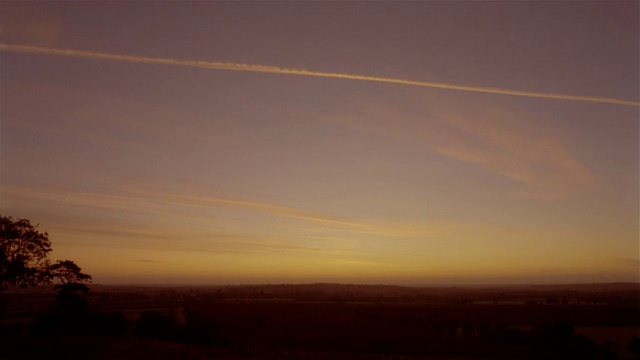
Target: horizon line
(365, 284)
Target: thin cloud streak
(285, 211)
(397, 230)
(156, 202)
(546, 168)
(14, 48)
(458, 240)
(134, 201)
(148, 237)
(492, 137)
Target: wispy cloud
(278, 70)
(628, 263)
(156, 237)
(492, 137)
(125, 203)
(273, 209)
(167, 205)
(144, 201)
(183, 227)
(546, 168)
(149, 261)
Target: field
(326, 321)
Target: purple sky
(152, 173)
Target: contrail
(278, 70)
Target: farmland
(327, 321)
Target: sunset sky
(147, 167)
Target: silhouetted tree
(70, 276)
(70, 315)
(23, 258)
(23, 253)
(72, 292)
(23, 262)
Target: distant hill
(364, 289)
(361, 289)
(596, 287)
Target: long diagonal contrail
(278, 70)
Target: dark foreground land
(324, 321)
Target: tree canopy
(68, 272)
(70, 276)
(24, 252)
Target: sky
(409, 143)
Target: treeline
(620, 296)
